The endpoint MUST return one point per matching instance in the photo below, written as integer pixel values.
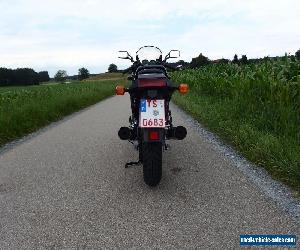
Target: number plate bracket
(152, 113)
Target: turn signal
(120, 90)
(183, 88)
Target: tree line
(202, 60)
(22, 76)
(62, 75)
(27, 76)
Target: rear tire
(152, 163)
(141, 152)
(140, 146)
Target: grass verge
(258, 117)
(25, 109)
(279, 155)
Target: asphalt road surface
(66, 188)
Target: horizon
(210, 59)
(47, 38)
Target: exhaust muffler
(178, 133)
(124, 133)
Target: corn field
(270, 89)
(255, 107)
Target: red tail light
(153, 135)
(144, 83)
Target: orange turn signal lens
(183, 88)
(120, 90)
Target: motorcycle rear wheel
(152, 162)
(140, 148)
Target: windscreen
(148, 54)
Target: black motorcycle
(150, 124)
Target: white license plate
(152, 113)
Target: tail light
(153, 135)
(183, 88)
(144, 83)
(120, 90)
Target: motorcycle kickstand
(132, 163)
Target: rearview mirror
(123, 54)
(174, 53)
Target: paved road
(67, 188)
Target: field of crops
(105, 76)
(255, 107)
(25, 109)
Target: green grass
(25, 109)
(105, 76)
(255, 108)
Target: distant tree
(60, 76)
(183, 64)
(44, 76)
(297, 54)
(235, 59)
(267, 59)
(112, 68)
(199, 61)
(179, 65)
(221, 61)
(25, 76)
(293, 58)
(6, 77)
(83, 73)
(244, 59)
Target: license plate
(152, 113)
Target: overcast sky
(69, 34)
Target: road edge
(278, 192)
(12, 144)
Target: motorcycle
(150, 124)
